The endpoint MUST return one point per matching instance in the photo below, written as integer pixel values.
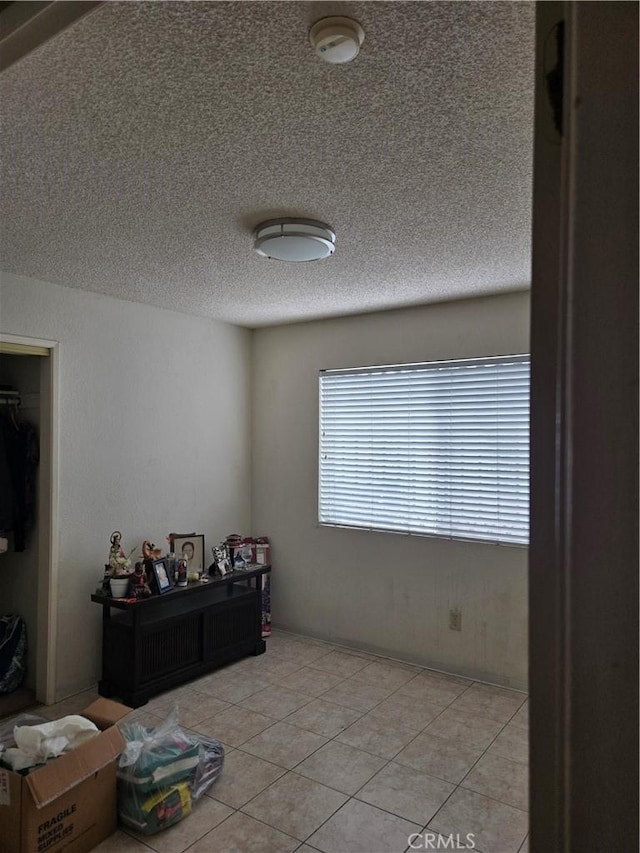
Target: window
(439, 449)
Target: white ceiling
(142, 145)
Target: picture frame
(220, 566)
(223, 566)
(161, 575)
(190, 546)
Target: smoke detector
(336, 40)
(294, 240)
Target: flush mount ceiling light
(294, 240)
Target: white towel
(18, 759)
(48, 740)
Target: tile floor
(337, 751)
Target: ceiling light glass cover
(294, 240)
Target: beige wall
(147, 445)
(384, 592)
(154, 437)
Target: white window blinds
(439, 449)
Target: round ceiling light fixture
(336, 40)
(294, 240)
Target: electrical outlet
(455, 619)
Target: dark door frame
(584, 431)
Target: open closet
(25, 500)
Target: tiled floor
(341, 752)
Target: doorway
(28, 578)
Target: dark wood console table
(159, 642)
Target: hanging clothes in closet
(19, 457)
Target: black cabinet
(151, 645)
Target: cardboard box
(70, 803)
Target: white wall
(384, 592)
(154, 437)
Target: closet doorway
(28, 578)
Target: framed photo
(220, 565)
(223, 566)
(191, 547)
(160, 569)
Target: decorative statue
(181, 572)
(138, 585)
(150, 552)
(119, 564)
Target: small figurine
(119, 563)
(181, 572)
(150, 552)
(138, 585)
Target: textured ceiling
(142, 145)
